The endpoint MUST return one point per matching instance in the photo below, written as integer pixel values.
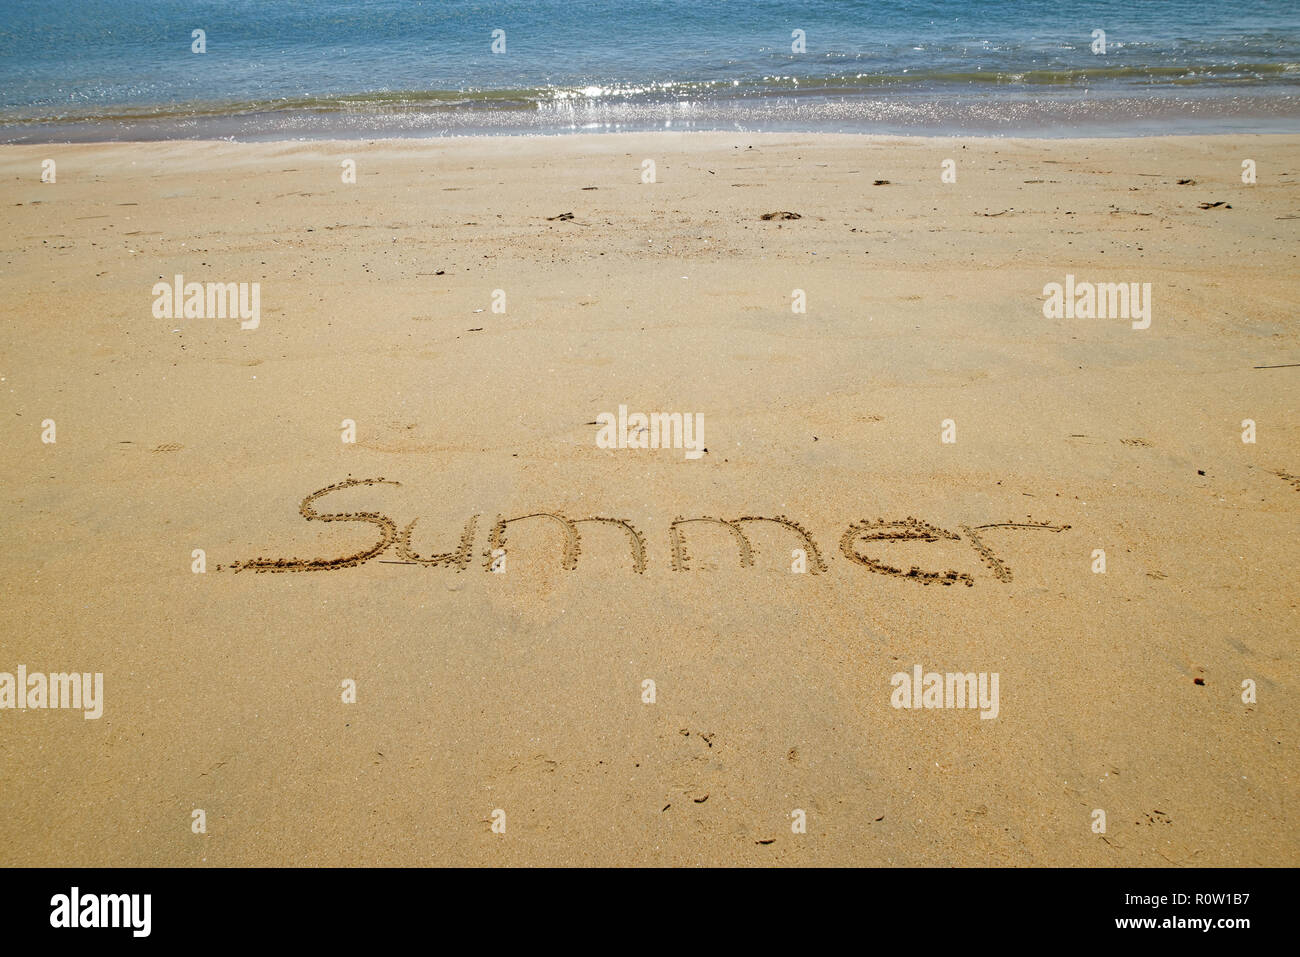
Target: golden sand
(523, 691)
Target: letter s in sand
(387, 528)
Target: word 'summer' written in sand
(806, 555)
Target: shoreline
(774, 137)
(1009, 114)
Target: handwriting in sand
(855, 536)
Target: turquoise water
(93, 69)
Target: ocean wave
(840, 85)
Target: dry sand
(523, 691)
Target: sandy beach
(1157, 691)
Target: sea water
(286, 69)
